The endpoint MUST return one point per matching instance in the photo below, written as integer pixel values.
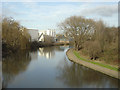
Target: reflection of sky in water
(49, 67)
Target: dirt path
(106, 71)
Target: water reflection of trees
(34, 55)
(75, 75)
(14, 65)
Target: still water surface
(49, 67)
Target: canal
(49, 67)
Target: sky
(47, 15)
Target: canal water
(49, 67)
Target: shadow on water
(75, 75)
(14, 65)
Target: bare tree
(78, 28)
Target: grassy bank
(96, 63)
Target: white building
(34, 34)
(46, 34)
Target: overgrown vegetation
(14, 36)
(93, 38)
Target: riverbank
(6, 51)
(74, 58)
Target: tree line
(92, 37)
(14, 36)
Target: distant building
(47, 36)
(34, 34)
(48, 32)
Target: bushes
(14, 36)
(34, 45)
(93, 49)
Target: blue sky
(47, 15)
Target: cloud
(47, 15)
(8, 12)
(102, 10)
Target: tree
(14, 35)
(78, 28)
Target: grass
(96, 63)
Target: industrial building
(34, 34)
